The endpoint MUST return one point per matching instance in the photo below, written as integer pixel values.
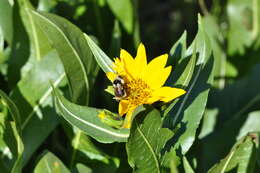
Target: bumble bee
(119, 88)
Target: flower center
(138, 91)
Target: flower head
(142, 82)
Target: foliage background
(213, 132)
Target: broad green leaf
(123, 10)
(216, 40)
(209, 122)
(181, 78)
(237, 98)
(232, 105)
(251, 124)
(186, 165)
(50, 163)
(240, 159)
(83, 168)
(178, 50)
(36, 35)
(46, 5)
(6, 11)
(33, 99)
(239, 33)
(146, 142)
(102, 59)
(84, 151)
(189, 110)
(20, 47)
(15, 127)
(86, 119)
(73, 51)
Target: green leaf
(13, 109)
(189, 110)
(20, 47)
(178, 50)
(251, 124)
(86, 119)
(33, 99)
(216, 40)
(123, 10)
(84, 151)
(115, 40)
(83, 169)
(102, 59)
(239, 34)
(240, 159)
(146, 142)
(182, 75)
(186, 165)
(73, 51)
(50, 163)
(15, 127)
(209, 122)
(6, 11)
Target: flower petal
(154, 67)
(158, 63)
(140, 60)
(156, 79)
(123, 107)
(111, 76)
(167, 94)
(129, 63)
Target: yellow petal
(157, 63)
(123, 107)
(129, 63)
(111, 76)
(154, 67)
(157, 78)
(140, 59)
(167, 94)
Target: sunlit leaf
(73, 51)
(50, 163)
(240, 159)
(123, 10)
(15, 127)
(86, 119)
(102, 59)
(146, 142)
(189, 110)
(33, 99)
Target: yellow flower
(143, 83)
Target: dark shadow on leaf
(177, 72)
(201, 85)
(20, 48)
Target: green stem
(77, 138)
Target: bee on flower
(137, 82)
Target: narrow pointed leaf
(86, 119)
(102, 59)
(240, 159)
(73, 51)
(15, 127)
(189, 110)
(123, 10)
